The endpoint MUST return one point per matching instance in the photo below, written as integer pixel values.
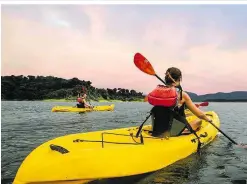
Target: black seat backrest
(166, 120)
(162, 120)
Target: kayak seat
(80, 105)
(161, 120)
(164, 120)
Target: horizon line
(116, 87)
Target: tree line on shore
(49, 87)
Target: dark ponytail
(172, 75)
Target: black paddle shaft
(223, 133)
(160, 78)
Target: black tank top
(180, 110)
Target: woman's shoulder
(185, 95)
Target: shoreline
(137, 100)
(101, 100)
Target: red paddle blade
(204, 104)
(197, 105)
(143, 64)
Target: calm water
(26, 125)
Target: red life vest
(163, 96)
(79, 100)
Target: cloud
(96, 16)
(33, 48)
(98, 43)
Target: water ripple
(26, 125)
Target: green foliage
(40, 88)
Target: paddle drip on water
(242, 145)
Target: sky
(208, 43)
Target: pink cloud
(33, 48)
(97, 16)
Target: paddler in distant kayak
(169, 104)
(82, 101)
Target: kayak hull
(106, 154)
(75, 109)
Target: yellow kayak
(75, 109)
(84, 157)
(188, 112)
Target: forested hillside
(50, 87)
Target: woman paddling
(82, 101)
(169, 103)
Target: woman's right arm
(85, 103)
(192, 107)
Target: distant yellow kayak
(84, 157)
(75, 109)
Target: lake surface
(26, 125)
